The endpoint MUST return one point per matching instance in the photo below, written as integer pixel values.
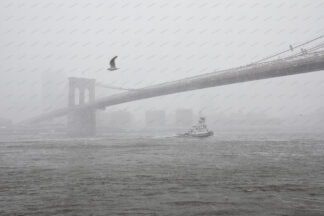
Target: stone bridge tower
(81, 122)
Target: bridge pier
(81, 122)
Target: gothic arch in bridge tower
(86, 95)
(76, 96)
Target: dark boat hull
(200, 135)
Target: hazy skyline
(157, 42)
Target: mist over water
(235, 174)
(267, 152)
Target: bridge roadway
(284, 67)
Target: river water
(241, 174)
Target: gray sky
(157, 41)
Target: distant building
(183, 117)
(115, 119)
(120, 118)
(155, 118)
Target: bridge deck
(289, 66)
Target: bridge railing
(289, 58)
(244, 67)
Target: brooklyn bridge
(82, 106)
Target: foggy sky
(157, 41)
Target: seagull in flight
(113, 64)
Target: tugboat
(199, 130)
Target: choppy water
(222, 175)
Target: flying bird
(113, 64)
